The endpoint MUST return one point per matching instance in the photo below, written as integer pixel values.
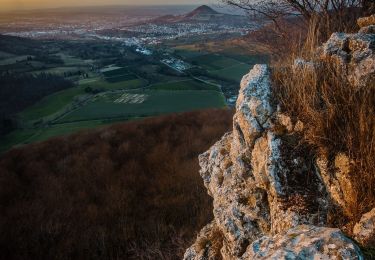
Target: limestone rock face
(354, 53)
(271, 195)
(304, 242)
(260, 184)
(364, 230)
(338, 183)
(366, 21)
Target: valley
(236, 130)
(116, 78)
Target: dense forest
(128, 191)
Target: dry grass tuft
(338, 118)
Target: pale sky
(35, 4)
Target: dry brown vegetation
(211, 244)
(128, 191)
(338, 118)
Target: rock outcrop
(271, 195)
(262, 186)
(354, 53)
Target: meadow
(157, 102)
(51, 104)
(227, 64)
(104, 94)
(233, 73)
(189, 84)
(93, 101)
(214, 61)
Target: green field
(129, 84)
(118, 75)
(109, 68)
(246, 58)
(234, 73)
(184, 85)
(57, 101)
(156, 102)
(103, 111)
(118, 94)
(5, 55)
(214, 61)
(13, 60)
(59, 70)
(25, 136)
(16, 137)
(225, 65)
(116, 72)
(119, 78)
(51, 104)
(189, 54)
(73, 61)
(63, 129)
(88, 80)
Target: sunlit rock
(305, 242)
(364, 230)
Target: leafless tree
(333, 14)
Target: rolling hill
(203, 14)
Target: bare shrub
(288, 23)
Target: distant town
(132, 29)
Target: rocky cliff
(271, 194)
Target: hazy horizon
(19, 5)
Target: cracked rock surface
(261, 185)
